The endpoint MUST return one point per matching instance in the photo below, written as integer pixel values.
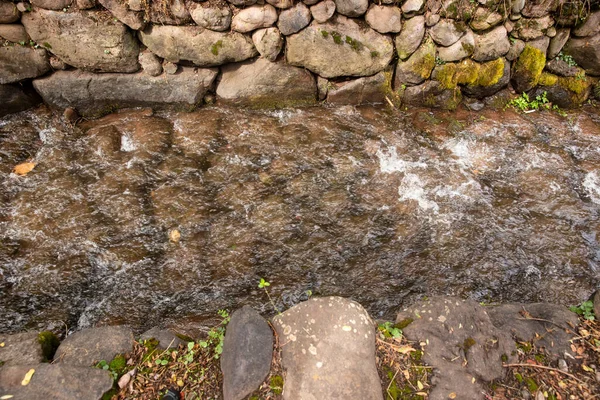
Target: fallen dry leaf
(24, 168)
(174, 235)
(405, 349)
(27, 377)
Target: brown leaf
(24, 168)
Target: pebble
(598, 377)
(562, 365)
(539, 395)
(525, 394)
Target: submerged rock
(329, 351)
(84, 39)
(262, 83)
(17, 98)
(247, 353)
(93, 94)
(339, 47)
(203, 47)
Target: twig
(544, 367)
(387, 390)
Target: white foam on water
(591, 183)
(412, 188)
(390, 162)
(127, 143)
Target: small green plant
(567, 58)
(580, 76)
(387, 330)
(216, 336)
(439, 61)
(586, 309)
(264, 285)
(524, 103)
(116, 366)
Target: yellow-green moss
(548, 79)
(490, 72)
(445, 74)
(386, 89)
(467, 72)
(426, 65)
(49, 343)
(531, 63)
(578, 85)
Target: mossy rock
(418, 67)
(49, 343)
(565, 92)
(432, 94)
(528, 68)
(478, 79)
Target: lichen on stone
(490, 73)
(528, 68)
(548, 79)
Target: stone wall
(97, 57)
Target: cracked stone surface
(460, 342)
(328, 351)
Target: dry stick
(390, 385)
(544, 367)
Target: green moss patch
(49, 343)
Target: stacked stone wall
(97, 56)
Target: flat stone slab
(247, 353)
(166, 339)
(328, 351)
(93, 94)
(57, 382)
(21, 348)
(460, 342)
(89, 346)
(548, 325)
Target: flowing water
(379, 206)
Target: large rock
(339, 47)
(268, 42)
(203, 47)
(384, 19)
(89, 346)
(294, 19)
(369, 90)
(408, 41)
(254, 17)
(14, 33)
(215, 18)
(133, 19)
(52, 4)
(462, 345)
(528, 69)
(491, 45)
(8, 12)
(493, 76)
(26, 348)
(323, 10)
(412, 7)
(93, 94)
(586, 51)
(85, 39)
(418, 67)
(329, 351)
(564, 91)
(485, 18)
(534, 28)
(55, 381)
(247, 353)
(447, 31)
(459, 50)
(432, 94)
(261, 83)
(561, 68)
(20, 62)
(590, 27)
(516, 48)
(351, 8)
(548, 325)
(558, 42)
(17, 98)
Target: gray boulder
(55, 381)
(412, 7)
(323, 10)
(52, 4)
(247, 353)
(89, 346)
(384, 19)
(532, 28)
(84, 39)
(94, 94)
(339, 47)
(268, 42)
(19, 62)
(369, 90)
(432, 94)
(211, 17)
(549, 325)
(459, 50)
(447, 31)
(462, 345)
(23, 348)
(485, 18)
(254, 17)
(558, 42)
(16, 98)
(150, 63)
(14, 33)
(329, 351)
(133, 19)
(264, 84)
(8, 12)
(294, 19)
(203, 47)
(590, 27)
(410, 37)
(586, 52)
(491, 45)
(351, 8)
(418, 67)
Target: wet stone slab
(328, 351)
(89, 346)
